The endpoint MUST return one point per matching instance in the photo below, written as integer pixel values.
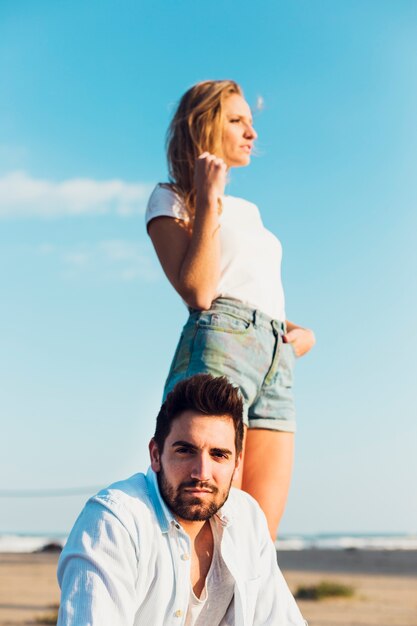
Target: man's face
(197, 465)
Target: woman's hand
(209, 178)
(301, 339)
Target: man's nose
(201, 467)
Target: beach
(28, 587)
(385, 583)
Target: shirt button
(178, 613)
(185, 557)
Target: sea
(25, 543)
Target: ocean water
(31, 543)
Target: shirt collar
(224, 515)
(164, 514)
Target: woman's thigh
(266, 471)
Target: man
(178, 546)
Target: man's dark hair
(204, 394)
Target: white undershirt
(215, 606)
(250, 263)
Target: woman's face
(238, 132)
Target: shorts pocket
(223, 322)
(286, 365)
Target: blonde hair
(195, 128)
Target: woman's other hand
(210, 175)
(301, 339)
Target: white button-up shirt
(126, 562)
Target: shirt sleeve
(164, 202)
(275, 602)
(97, 571)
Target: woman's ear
(154, 455)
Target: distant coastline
(27, 543)
(348, 541)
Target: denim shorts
(244, 344)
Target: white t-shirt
(250, 265)
(215, 606)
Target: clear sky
(88, 323)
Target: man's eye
(184, 450)
(220, 455)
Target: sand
(379, 600)
(385, 584)
(28, 587)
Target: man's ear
(155, 456)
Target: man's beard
(188, 507)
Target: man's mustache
(198, 484)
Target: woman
(226, 267)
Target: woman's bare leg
(237, 481)
(266, 471)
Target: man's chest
(201, 562)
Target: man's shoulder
(132, 487)
(242, 506)
(125, 498)
(246, 533)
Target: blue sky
(88, 323)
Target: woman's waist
(243, 310)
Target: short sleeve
(164, 202)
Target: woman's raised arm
(191, 257)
